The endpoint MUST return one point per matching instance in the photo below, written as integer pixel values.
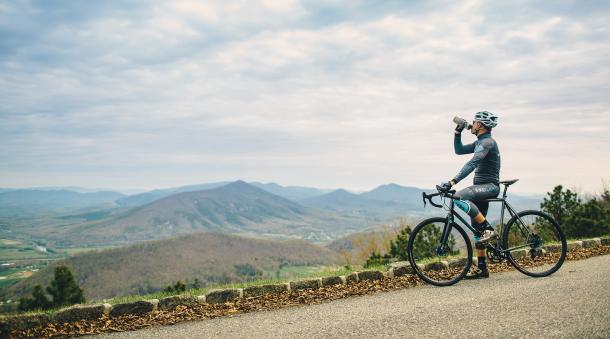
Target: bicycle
(440, 250)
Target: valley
(152, 239)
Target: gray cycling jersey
(486, 159)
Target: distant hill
(358, 246)
(336, 200)
(150, 266)
(397, 193)
(294, 193)
(390, 201)
(33, 201)
(234, 208)
(240, 208)
(148, 197)
(379, 205)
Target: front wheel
(534, 243)
(439, 264)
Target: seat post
(505, 189)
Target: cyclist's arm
(480, 152)
(459, 147)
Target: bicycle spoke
(439, 264)
(535, 243)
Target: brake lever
(424, 198)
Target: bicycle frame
(452, 215)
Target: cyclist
(486, 161)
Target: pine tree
(398, 246)
(578, 218)
(64, 289)
(179, 286)
(561, 205)
(590, 219)
(196, 284)
(38, 301)
(376, 259)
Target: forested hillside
(208, 257)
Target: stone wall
(91, 312)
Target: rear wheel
(535, 243)
(439, 264)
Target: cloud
(319, 93)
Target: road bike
(441, 253)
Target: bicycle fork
(440, 250)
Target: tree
(428, 239)
(179, 286)
(38, 301)
(280, 266)
(561, 205)
(590, 219)
(606, 197)
(578, 219)
(246, 270)
(398, 246)
(64, 289)
(196, 283)
(376, 259)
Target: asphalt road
(574, 302)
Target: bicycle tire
(526, 262)
(425, 274)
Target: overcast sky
(353, 94)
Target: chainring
(494, 255)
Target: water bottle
(461, 124)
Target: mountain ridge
(237, 207)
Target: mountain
(294, 193)
(234, 208)
(379, 205)
(150, 266)
(390, 201)
(394, 192)
(240, 208)
(147, 197)
(336, 200)
(33, 201)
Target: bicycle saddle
(509, 182)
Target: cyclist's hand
(446, 185)
(460, 127)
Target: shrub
(179, 286)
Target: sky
(353, 94)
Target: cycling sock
(479, 218)
(482, 265)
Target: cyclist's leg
(483, 208)
(470, 202)
(477, 210)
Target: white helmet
(488, 119)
